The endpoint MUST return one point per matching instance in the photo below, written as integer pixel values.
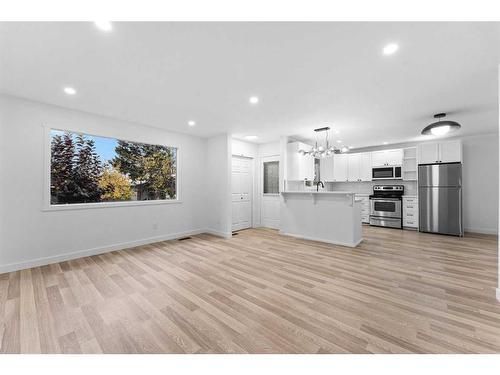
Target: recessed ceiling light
(351, 147)
(253, 100)
(251, 137)
(191, 123)
(103, 25)
(339, 141)
(386, 143)
(70, 90)
(390, 48)
(344, 149)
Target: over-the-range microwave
(387, 173)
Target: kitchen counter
(326, 216)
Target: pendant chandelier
(322, 150)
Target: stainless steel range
(386, 206)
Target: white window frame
(47, 206)
(267, 159)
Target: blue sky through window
(105, 147)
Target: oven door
(385, 207)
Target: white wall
(480, 184)
(498, 192)
(217, 185)
(31, 236)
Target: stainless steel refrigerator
(440, 198)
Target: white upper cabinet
(326, 169)
(353, 167)
(359, 167)
(365, 173)
(387, 157)
(340, 167)
(450, 152)
(440, 152)
(299, 167)
(428, 153)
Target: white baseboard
(219, 233)
(348, 244)
(95, 251)
(498, 294)
(481, 230)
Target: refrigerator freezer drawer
(440, 210)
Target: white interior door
(269, 189)
(241, 192)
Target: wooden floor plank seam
(261, 292)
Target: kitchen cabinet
(440, 152)
(365, 207)
(299, 167)
(387, 157)
(340, 167)
(359, 167)
(450, 152)
(353, 167)
(410, 212)
(326, 169)
(365, 173)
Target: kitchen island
(328, 216)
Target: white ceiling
(305, 74)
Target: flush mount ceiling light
(390, 48)
(69, 90)
(251, 137)
(104, 25)
(441, 127)
(191, 123)
(253, 100)
(321, 151)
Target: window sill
(85, 206)
(271, 194)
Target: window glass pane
(271, 177)
(90, 169)
(317, 176)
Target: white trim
(85, 206)
(94, 251)
(498, 294)
(219, 233)
(47, 206)
(481, 230)
(348, 244)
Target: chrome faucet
(317, 185)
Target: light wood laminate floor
(259, 292)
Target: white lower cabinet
(410, 212)
(365, 208)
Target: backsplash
(367, 187)
(357, 187)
